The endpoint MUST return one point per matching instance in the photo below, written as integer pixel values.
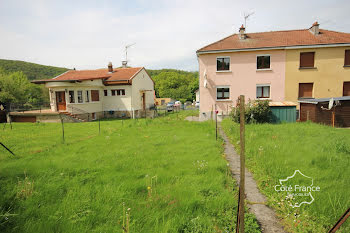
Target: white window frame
(263, 85)
(87, 96)
(74, 99)
(107, 92)
(262, 55)
(82, 97)
(216, 64)
(216, 93)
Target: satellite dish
(330, 104)
(205, 79)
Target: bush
(257, 111)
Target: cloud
(87, 34)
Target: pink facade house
(237, 65)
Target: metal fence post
(216, 123)
(7, 149)
(99, 126)
(62, 128)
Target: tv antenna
(246, 16)
(126, 51)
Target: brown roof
(278, 39)
(118, 75)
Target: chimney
(315, 28)
(124, 64)
(110, 67)
(242, 34)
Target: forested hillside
(31, 70)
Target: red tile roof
(278, 39)
(118, 75)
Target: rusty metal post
(333, 117)
(307, 115)
(242, 159)
(340, 221)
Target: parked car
(177, 104)
(197, 104)
(170, 106)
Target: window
(262, 91)
(307, 60)
(80, 96)
(222, 63)
(222, 93)
(121, 92)
(346, 89)
(95, 95)
(87, 97)
(305, 90)
(113, 92)
(71, 97)
(347, 58)
(105, 92)
(263, 62)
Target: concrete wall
(117, 102)
(328, 77)
(142, 82)
(242, 78)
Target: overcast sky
(88, 34)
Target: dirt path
(265, 216)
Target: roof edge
(274, 48)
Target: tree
(174, 84)
(16, 89)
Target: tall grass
(161, 175)
(275, 151)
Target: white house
(120, 92)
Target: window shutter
(347, 58)
(95, 95)
(307, 59)
(346, 89)
(305, 90)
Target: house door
(144, 101)
(60, 100)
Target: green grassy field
(275, 151)
(161, 175)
